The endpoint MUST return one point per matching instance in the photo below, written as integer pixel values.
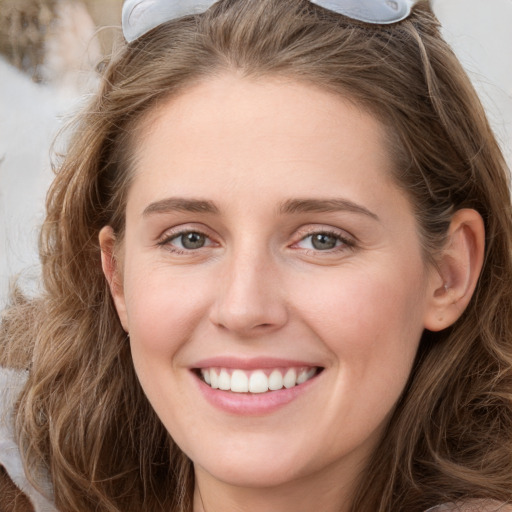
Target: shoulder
(11, 498)
(473, 506)
(17, 494)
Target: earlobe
(458, 269)
(110, 266)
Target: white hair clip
(381, 12)
(140, 16)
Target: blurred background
(50, 54)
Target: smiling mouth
(256, 381)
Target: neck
(322, 491)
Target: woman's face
(267, 246)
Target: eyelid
(347, 240)
(172, 233)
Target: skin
(260, 288)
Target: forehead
(267, 133)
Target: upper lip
(251, 363)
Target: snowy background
(32, 113)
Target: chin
(256, 466)
(248, 474)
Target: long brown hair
(83, 415)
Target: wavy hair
(83, 416)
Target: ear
(458, 268)
(113, 274)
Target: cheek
(371, 323)
(164, 309)
(164, 312)
(370, 319)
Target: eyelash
(344, 242)
(168, 238)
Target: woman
(304, 298)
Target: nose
(250, 300)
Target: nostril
(248, 320)
(249, 302)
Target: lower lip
(252, 404)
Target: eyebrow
(324, 206)
(173, 204)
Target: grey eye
(323, 241)
(192, 240)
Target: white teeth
(214, 379)
(257, 381)
(305, 375)
(290, 378)
(224, 380)
(302, 377)
(239, 382)
(275, 380)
